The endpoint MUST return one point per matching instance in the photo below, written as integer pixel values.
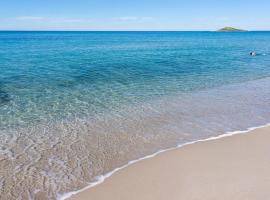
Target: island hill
(230, 29)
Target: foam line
(100, 179)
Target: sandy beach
(234, 168)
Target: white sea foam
(100, 179)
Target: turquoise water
(54, 75)
(70, 102)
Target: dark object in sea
(253, 53)
(4, 97)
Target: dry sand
(230, 168)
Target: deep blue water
(75, 105)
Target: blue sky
(133, 14)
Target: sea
(77, 105)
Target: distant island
(230, 29)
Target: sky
(134, 15)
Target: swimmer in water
(253, 53)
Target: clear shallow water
(74, 105)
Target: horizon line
(63, 30)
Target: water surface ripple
(75, 105)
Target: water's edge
(100, 179)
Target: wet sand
(234, 168)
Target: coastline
(125, 172)
(72, 115)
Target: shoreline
(102, 178)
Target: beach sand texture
(235, 168)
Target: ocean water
(76, 105)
